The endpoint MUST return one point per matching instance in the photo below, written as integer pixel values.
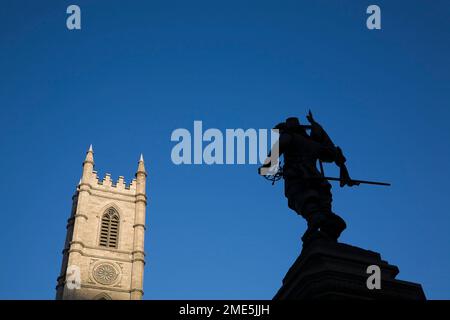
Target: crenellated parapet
(108, 184)
(91, 180)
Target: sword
(279, 174)
(356, 182)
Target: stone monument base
(336, 271)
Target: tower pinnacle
(88, 165)
(141, 166)
(89, 155)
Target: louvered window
(109, 230)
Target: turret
(88, 165)
(139, 230)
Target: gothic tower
(103, 256)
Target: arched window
(109, 229)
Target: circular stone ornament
(105, 273)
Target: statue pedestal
(329, 270)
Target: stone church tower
(103, 256)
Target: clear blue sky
(139, 69)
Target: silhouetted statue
(306, 188)
(325, 269)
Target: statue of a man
(308, 193)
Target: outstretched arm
(318, 134)
(329, 152)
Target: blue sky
(140, 69)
